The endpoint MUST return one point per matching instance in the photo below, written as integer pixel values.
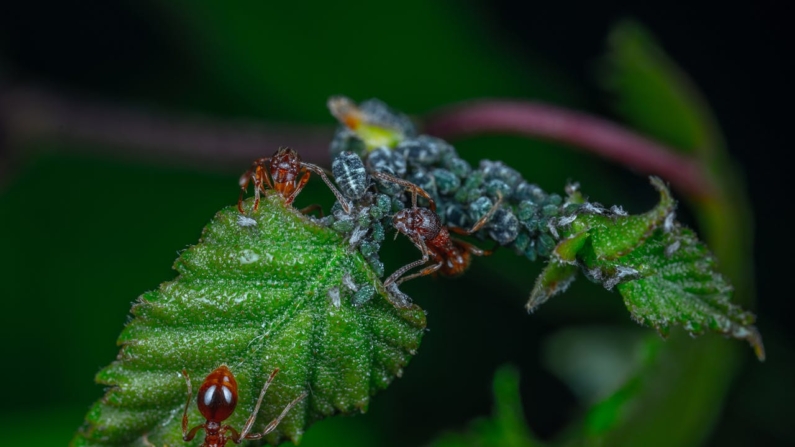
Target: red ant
(217, 400)
(451, 256)
(281, 172)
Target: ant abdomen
(217, 397)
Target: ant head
(217, 396)
(420, 222)
(285, 165)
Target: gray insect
(350, 175)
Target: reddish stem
(35, 114)
(580, 130)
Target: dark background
(84, 231)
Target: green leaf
(256, 293)
(554, 279)
(506, 428)
(678, 284)
(664, 273)
(615, 234)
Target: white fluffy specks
(245, 221)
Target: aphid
(281, 172)
(350, 175)
(450, 256)
(422, 151)
(217, 399)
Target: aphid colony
(525, 219)
(391, 178)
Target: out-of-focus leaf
(677, 380)
(256, 293)
(653, 93)
(595, 361)
(506, 427)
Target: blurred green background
(86, 227)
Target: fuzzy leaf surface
(256, 294)
(665, 274)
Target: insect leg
(322, 173)
(187, 436)
(253, 417)
(480, 223)
(394, 277)
(415, 190)
(274, 423)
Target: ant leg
(477, 251)
(254, 172)
(310, 208)
(322, 173)
(415, 190)
(244, 180)
(275, 423)
(145, 440)
(187, 403)
(235, 435)
(301, 183)
(426, 271)
(394, 277)
(480, 223)
(253, 417)
(258, 188)
(188, 436)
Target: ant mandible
(217, 399)
(281, 172)
(451, 256)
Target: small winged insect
(217, 399)
(450, 256)
(367, 126)
(284, 172)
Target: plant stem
(30, 113)
(592, 134)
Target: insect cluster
(526, 219)
(389, 177)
